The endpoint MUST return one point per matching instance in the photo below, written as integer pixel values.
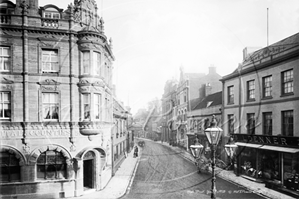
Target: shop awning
(281, 149)
(248, 145)
(267, 147)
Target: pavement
(120, 184)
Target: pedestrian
(136, 151)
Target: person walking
(136, 151)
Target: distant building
(169, 129)
(192, 87)
(56, 100)
(200, 116)
(121, 139)
(261, 113)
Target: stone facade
(261, 102)
(56, 92)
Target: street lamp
(213, 134)
(196, 149)
(230, 149)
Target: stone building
(191, 88)
(261, 113)
(169, 130)
(122, 140)
(56, 99)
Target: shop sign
(268, 140)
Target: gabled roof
(214, 99)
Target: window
(4, 58)
(230, 95)
(51, 165)
(287, 123)
(267, 122)
(251, 90)
(50, 106)
(86, 62)
(86, 106)
(97, 62)
(10, 168)
(97, 106)
(267, 86)
(230, 124)
(287, 82)
(251, 123)
(50, 61)
(5, 109)
(52, 15)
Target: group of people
(136, 152)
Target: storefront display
(291, 171)
(248, 162)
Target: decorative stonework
(49, 82)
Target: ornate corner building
(56, 99)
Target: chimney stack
(208, 89)
(212, 69)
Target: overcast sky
(153, 38)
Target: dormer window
(51, 13)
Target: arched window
(10, 168)
(51, 165)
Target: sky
(152, 39)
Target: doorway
(88, 170)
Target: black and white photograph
(149, 99)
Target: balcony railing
(51, 23)
(5, 19)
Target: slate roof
(214, 99)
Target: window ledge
(267, 98)
(230, 103)
(250, 100)
(286, 94)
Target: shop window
(5, 58)
(251, 123)
(287, 123)
(251, 90)
(230, 97)
(269, 168)
(50, 106)
(86, 106)
(49, 61)
(5, 106)
(10, 168)
(248, 162)
(267, 86)
(291, 171)
(267, 122)
(287, 78)
(51, 165)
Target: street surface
(164, 174)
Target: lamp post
(196, 150)
(230, 149)
(213, 134)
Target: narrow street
(162, 173)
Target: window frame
(251, 123)
(251, 90)
(2, 103)
(99, 97)
(289, 81)
(267, 86)
(267, 126)
(230, 124)
(84, 110)
(45, 164)
(57, 103)
(57, 70)
(5, 56)
(230, 94)
(17, 166)
(284, 123)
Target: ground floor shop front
(275, 164)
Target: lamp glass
(230, 149)
(213, 134)
(196, 150)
